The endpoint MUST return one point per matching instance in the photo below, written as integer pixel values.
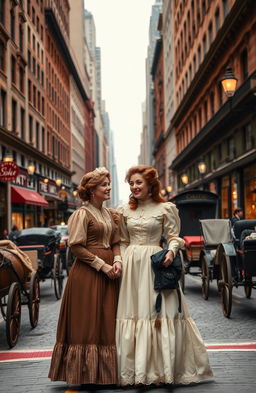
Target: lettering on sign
(43, 186)
(8, 171)
(52, 189)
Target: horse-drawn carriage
(19, 285)
(193, 205)
(237, 261)
(44, 242)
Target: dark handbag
(166, 277)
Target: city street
(25, 368)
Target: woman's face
(102, 191)
(139, 187)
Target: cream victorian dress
(174, 353)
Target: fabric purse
(166, 277)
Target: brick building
(159, 114)
(208, 37)
(36, 66)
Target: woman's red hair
(150, 175)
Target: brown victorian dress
(85, 351)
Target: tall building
(40, 77)
(148, 126)
(210, 36)
(169, 91)
(94, 60)
(159, 113)
(81, 117)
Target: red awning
(23, 195)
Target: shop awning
(23, 195)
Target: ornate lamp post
(166, 191)
(58, 181)
(31, 168)
(8, 157)
(229, 82)
(184, 179)
(202, 167)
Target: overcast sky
(122, 33)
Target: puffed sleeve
(124, 234)
(115, 239)
(77, 229)
(172, 227)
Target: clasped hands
(113, 271)
(168, 258)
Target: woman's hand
(168, 258)
(109, 271)
(117, 269)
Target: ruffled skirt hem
(165, 380)
(172, 354)
(84, 364)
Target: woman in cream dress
(175, 352)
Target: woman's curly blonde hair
(91, 180)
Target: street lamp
(46, 180)
(58, 181)
(31, 168)
(184, 178)
(166, 191)
(229, 82)
(202, 167)
(8, 157)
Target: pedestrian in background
(173, 352)
(4, 235)
(237, 215)
(14, 233)
(85, 351)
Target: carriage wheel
(225, 284)
(58, 276)
(182, 278)
(34, 300)
(13, 314)
(205, 278)
(69, 260)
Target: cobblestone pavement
(234, 371)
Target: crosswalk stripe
(43, 354)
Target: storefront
(49, 190)
(27, 204)
(249, 175)
(3, 207)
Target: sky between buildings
(122, 33)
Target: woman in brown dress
(85, 351)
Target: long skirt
(147, 354)
(85, 350)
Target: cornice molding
(11, 139)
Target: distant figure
(237, 215)
(4, 235)
(14, 233)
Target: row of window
(182, 50)
(35, 97)
(57, 149)
(56, 121)
(53, 53)
(35, 18)
(208, 108)
(34, 67)
(32, 40)
(224, 151)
